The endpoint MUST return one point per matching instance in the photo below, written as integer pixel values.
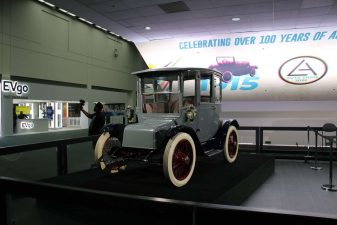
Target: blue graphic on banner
(243, 83)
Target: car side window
(217, 89)
(189, 91)
(205, 88)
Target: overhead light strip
(80, 18)
(66, 12)
(102, 28)
(86, 21)
(47, 3)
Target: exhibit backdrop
(290, 65)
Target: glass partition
(43, 115)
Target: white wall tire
(179, 159)
(231, 145)
(104, 144)
(99, 149)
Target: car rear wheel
(179, 159)
(231, 146)
(104, 149)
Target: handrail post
(62, 159)
(257, 139)
(5, 209)
(194, 215)
(261, 140)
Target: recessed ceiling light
(235, 19)
(147, 28)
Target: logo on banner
(303, 70)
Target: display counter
(31, 125)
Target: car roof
(178, 69)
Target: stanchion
(308, 156)
(315, 167)
(330, 186)
(329, 127)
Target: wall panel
(47, 44)
(55, 31)
(79, 38)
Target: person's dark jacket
(97, 122)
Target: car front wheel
(105, 148)
(231, 146)
(179, 159)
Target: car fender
(115, 130)
(175, 130)
(226, 124)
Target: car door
(208, 106)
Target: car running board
(213, 152)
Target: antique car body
(229, 67)
(177, 120)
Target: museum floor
(296, 187)
(293, 187)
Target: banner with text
(282, 65)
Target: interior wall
(54, 53)
(44, 44)
(39, 43)
(281, 114)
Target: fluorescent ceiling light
(147, 28)
(49, 4)
(65, 11)
(84, 20)
(101, 27)
(110, 32)
(235, 19)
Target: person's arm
(89, 115)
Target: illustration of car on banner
(177, 121)
(229, 67)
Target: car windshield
(160, 93)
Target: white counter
(31, 125)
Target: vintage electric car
(229, 67)
(178, 119)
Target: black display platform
(214, 180)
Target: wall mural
(281, 65)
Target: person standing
(15, 118)
(97, 121)
(22, 116)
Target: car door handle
(213, 107)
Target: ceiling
(195, 18)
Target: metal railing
(259, 135)
(194, 212)
(61, 146)
(174, 211)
